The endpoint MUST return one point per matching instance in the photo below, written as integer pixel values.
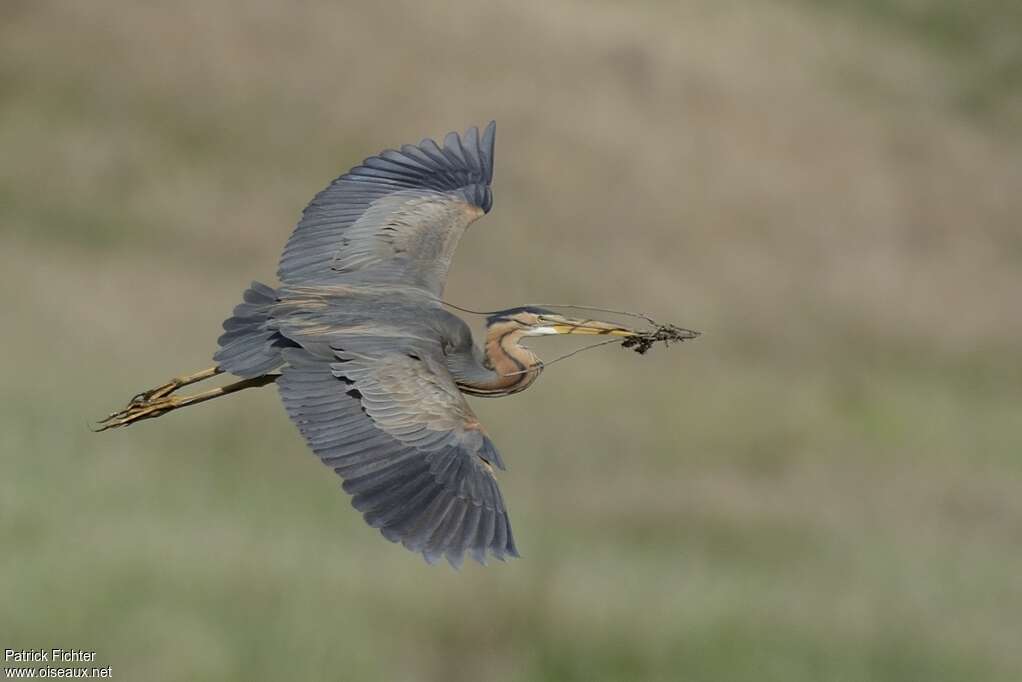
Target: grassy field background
(826, 486)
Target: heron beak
(590, 327)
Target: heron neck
(506, 368)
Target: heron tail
(249, 347)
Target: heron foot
(156, 401)
(142, 407)
(155, 393)
(166, 389)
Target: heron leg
(159, 401)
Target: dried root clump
(666, 333)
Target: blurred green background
(826, 486)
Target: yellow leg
(159, 401)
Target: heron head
(535, 321)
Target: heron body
(371, 366)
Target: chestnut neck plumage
(506, 367)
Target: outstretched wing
(411, 452)
(399, 215)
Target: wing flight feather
(397, 216)
(411, 452)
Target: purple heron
(370, 365)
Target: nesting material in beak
(641, 342)
(638, 340)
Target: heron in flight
(371, 366)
